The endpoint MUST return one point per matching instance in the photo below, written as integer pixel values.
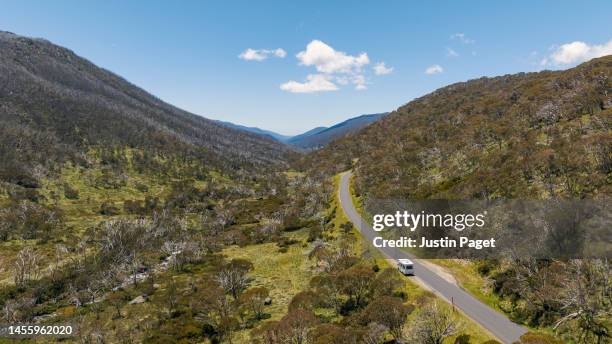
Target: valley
(138, 222)
(319, 136)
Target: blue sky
(188, 53)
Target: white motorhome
(405, 266)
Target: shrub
(141, 187)
(70, 192)
(107, 208)
(535, 338)
(133, 207)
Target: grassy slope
(82, 213)
(283, 274)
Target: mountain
(57, 106)
(321, 136)
(316, 137)
(527, 135)
(276, 136)
(310, 132)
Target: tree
(225, 216)
(268, 333)
(70, 192)
(116, 300)
(26, 266)
(233, 276)
(330, 333)
(216, 308)
(295, 327)
(304, 300)
(433, 324)
(355, 282)
(254, 300)
(374, 333)
(171, 296)
(386, 282)
(327, 291)
(389, 312)
(585, 299)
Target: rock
(156, 286)
(267, 301)
(138, 300)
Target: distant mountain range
(317, 137)
(271, 134)
(321, 136)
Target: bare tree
(433, 324)
(26, 266)
(17, 310)
(233, 277)
(61, 251)
(225, 215)
(586, 298)
(171, 296)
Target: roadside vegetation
(528, 136)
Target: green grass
(283, 274)
(79, 214)
(468, 278)
(83, 212)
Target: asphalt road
(496, 323)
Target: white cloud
(451, 52)
(434, 69)
(280, 53)
(314, 83)
(359, 82)
(261, 54)
(381, 69)
(462, 37)
(576, 52)
(327, 60)
(333, 67)
(342, 80)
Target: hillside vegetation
(136, 221)
(108, 194)
(55, 105)
(529, 135)
(543, 135)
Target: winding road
(496, 323)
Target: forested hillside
(56, 105)
(529, 135)
(543, 135)
(112, 202)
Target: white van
(405, 266)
